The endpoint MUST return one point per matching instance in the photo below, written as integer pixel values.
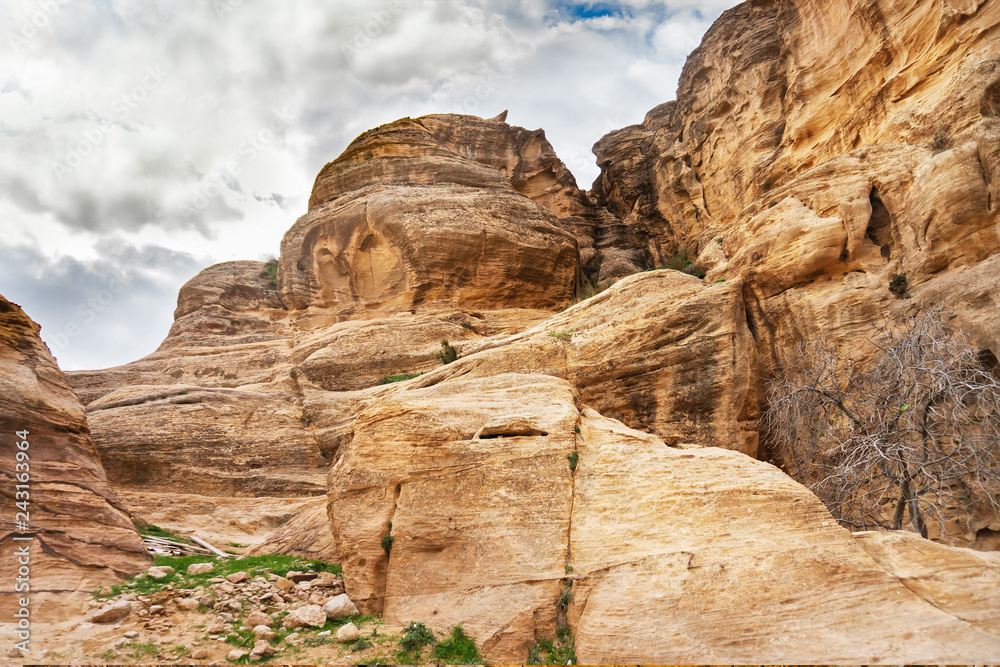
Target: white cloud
(121, 120)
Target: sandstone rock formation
(251, 361)
(501, 492)
(82, 536)
(661, 351)
(817, 180)
(409, 214)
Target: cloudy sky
(119, 119)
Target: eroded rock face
(761, 101)
(816, 180)
(217, 442)
(83, 538)
(661, 351)
(431, 210)
(499, 492)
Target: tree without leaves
(914, 432)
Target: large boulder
(505, 498)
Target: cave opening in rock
(879, 229)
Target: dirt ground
(79, 642)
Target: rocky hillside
(427, 388)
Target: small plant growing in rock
(270, 272)
(403, 377)
(448, 352)
(466, 324)
(562, 335)
(898, 285)
(566, 596)
(574, 459)
(387, 541)
(679, 261)
(691, 270)
(939, 142)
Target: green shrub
(387, 541)
(561, 652)
(457, 650)
(415, 637)
(448, 353)
(678, 261)
(270, 272)
(149, 530)
(898, 285)
(574, 459)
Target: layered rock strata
(485, 501)
(817, 181)
(81, 535)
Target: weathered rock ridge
(82, 537)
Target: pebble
(347, 633)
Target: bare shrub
(916, 431)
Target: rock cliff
(82, 537)
(816, 179)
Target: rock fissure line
(905, 583)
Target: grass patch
(415, 637)
(244, 638)
(560, 652)
(181, 651)
(562, 335)
(148, 530)
(457, 649)
(403, 377)
(140, 650)
(255, 565)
